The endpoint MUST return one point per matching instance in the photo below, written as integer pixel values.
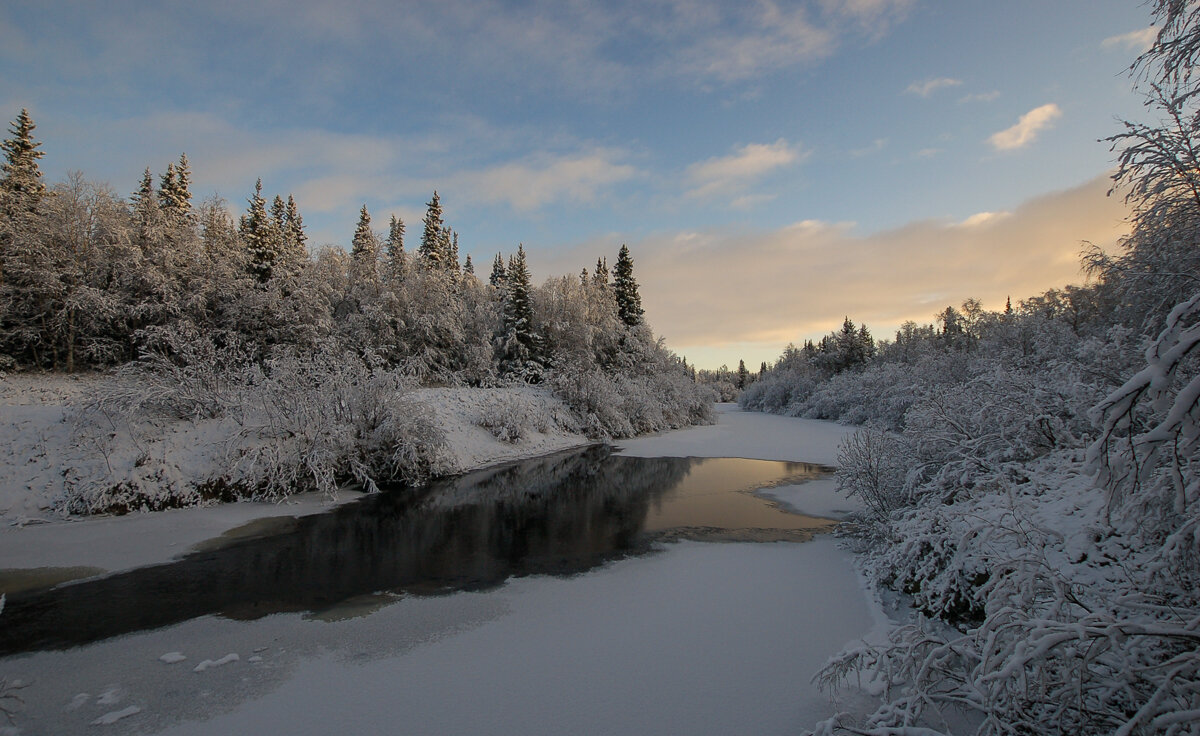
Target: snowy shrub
(510, 417)
(873, 465)
(184, 374)
(623, 406)
(293, 423)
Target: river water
(559, 515)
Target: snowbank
(41, 453)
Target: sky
(774, 166)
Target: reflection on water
(556, 515)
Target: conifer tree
(499, 274)
(468, 267)
(451, 239)
(397, 259)
(431, 239)
(519, 344)
(364, 248)
(21, 187)
(625, 288)
(600, 277)
(255, 229)
(293, 232)
(742, 375)
(183, 187)
(279, 213)
(166, 188)
(145, 208)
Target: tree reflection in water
(561, 514)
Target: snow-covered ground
(695, 638)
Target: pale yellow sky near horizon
(720, 296)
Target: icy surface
(695, 638)
(750, 435)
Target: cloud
(1027, 128)
(799, 281)
(876, 146)
(727, 174)
(981, 96)
(542, 179)
(929, 86)
(1138, 41)
(763, 41)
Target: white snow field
(695, 638)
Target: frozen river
(586, 592)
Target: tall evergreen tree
(600, 277)
(431, 239)
(520, 347)
(255, 229)
(397, 259)
(174, 192)
(145, 209)
(364, 248)
(625, 289)
(293, 232)
(468, 266)
(743, 375)
(499, 274)
(279, 213)
(166, 187)
(21, 187)
(452, 250)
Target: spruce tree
(364, 249)
(431, 239)
(145, 208)
(255, 231)
(397, 259)
(294, 236)
(279, 213)
(625, 289)
(452, 250)
(468, 267)
(183, 186)
(499, 274)
(600, 277)
(21, 187)
(174, 193)
(166, 188)
(519, 345)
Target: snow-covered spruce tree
(518, 347)
(255, 230)
(174, 194)
(364, 248)
(625, 289)
(499, 274)
(397, 259)
(431, 249)
(295, 239)
(21, 186)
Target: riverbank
(41, 454)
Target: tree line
(89, 280)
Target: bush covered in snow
(294, 422)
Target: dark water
(561, 514)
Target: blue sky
(774, 166)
